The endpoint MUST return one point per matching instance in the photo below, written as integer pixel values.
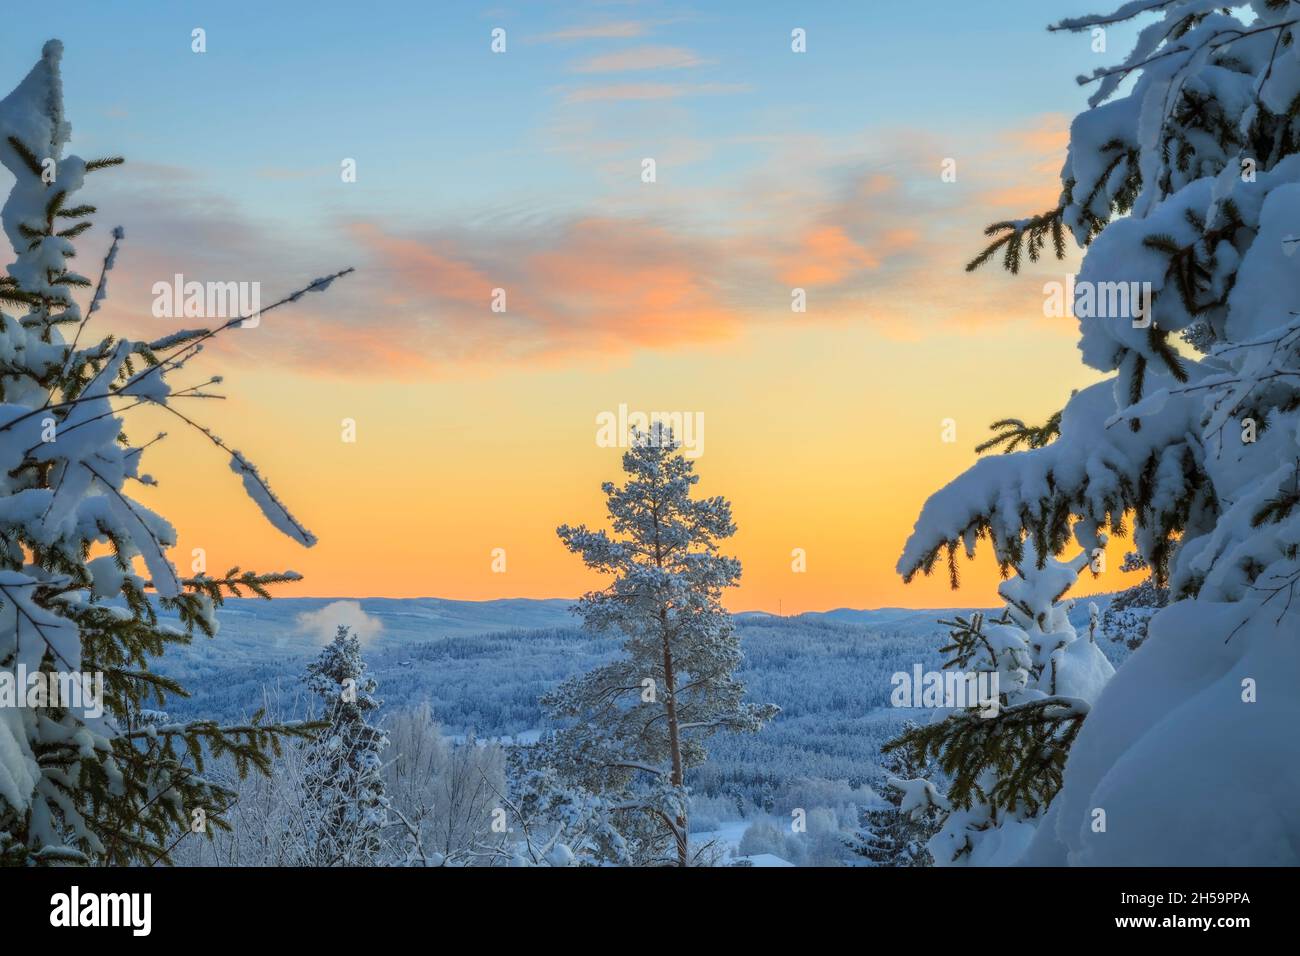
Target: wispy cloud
(863, 223)
(650, 91)
(640, 58)
(622, 29)
(589, 285)
(287, 173)
(1029, 159)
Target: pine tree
(1004, 769)
(345, 807)
(640, 722)
(897, 834)
(1129, 612)
(1181, 181)
(126, 786)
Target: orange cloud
(637, 286)
(593, 286)
(1022, 199)
(1037, 148)
(826, 256)
(443, 275)
(1048, 134)
(853, 235)
(876, 184)
(868, 229)
(1032, 161)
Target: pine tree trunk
(670, 705)
(674, 744)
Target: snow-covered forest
(155, 716)
(831, 673)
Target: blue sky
(473, 166)
(437, 123)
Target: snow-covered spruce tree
(1189, 755)
(640, 722)
(1004, 769)
(1129, 612)
(345, 807)
(122, 787)
(897, 834)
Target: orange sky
(826, 438)
(476, 429)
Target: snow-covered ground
(727, 835)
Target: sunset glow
(475, 429)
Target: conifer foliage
(1005, 768)
(898, 833)
(640, 722)
(1199, 448)
(123, 787)
(344, 804)
(1129, 612)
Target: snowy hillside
(481, 666)
(257, 630)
